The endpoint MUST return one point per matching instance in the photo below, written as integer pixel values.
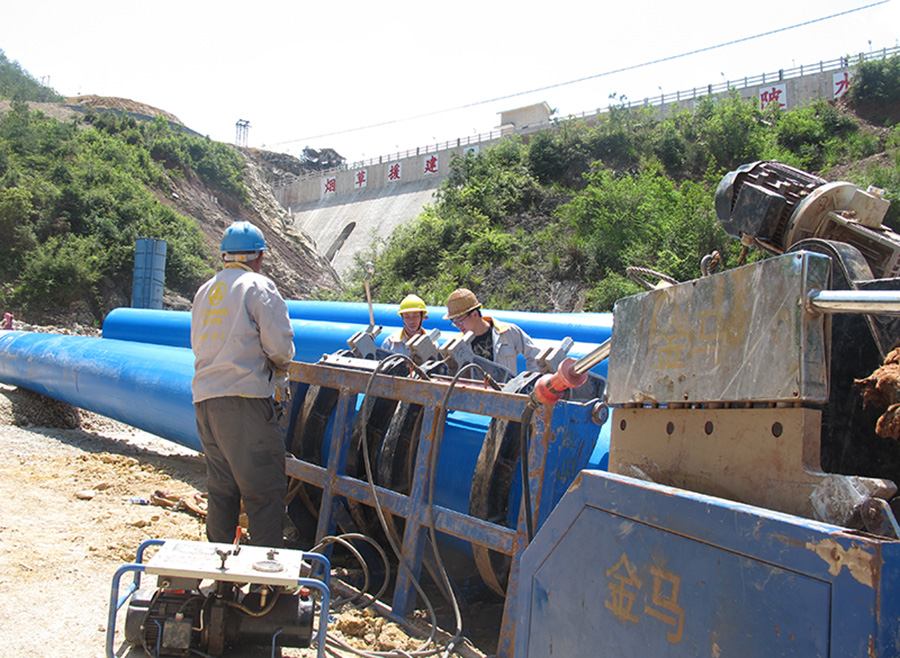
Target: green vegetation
(75, 196)
(72, 202)
(877, 81)
(581, 203)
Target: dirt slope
(292, 262)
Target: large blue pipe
(174, 328)
(312, 338)
(593, 328)
(143, 385)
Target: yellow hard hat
(460, 302)
(412, 304)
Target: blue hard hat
(242, 236)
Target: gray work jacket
(241, 335)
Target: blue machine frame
(558, 450)
(677, 573)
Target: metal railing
(654, 101)
(459, 142)
(751, 81)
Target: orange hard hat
(460, 302)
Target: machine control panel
(238, 564)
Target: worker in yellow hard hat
(413, 312)
(500, 342)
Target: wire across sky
(558, 85)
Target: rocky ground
(74, 487)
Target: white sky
(297, 69)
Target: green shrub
(817, 134)
(60, 270)
(73, 202)
(876, 81)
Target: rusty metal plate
(765, 457)
(742, 335)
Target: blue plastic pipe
(142, 325)
(143, 385)
(148, 386)
(174, 328)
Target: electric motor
(776, 206)
(175, 623)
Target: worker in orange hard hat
(413, 312)
(500, 342)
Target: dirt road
(69, 520)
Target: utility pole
(242, 128)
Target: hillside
(182, 173)
(292, 261)
(551, 223)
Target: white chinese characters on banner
(774, 96)
(431, 164)
(840, 83)
(360, 179)
(395, 172)
(329, 185)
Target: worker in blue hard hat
(413, 312)
(243, 344)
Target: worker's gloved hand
(282, 386)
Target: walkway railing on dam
(751, 81)
(655, 101)
(470, 140)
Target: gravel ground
(68, 478)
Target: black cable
(367, 395)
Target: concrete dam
(346, 211)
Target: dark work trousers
(245, 458)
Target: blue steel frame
(117, 600)
(631, 568)
(559, 448)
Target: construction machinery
(749, 504)
(700, 477)
(211, 596)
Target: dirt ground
(69, 480)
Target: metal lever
(884, 302)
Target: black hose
(525, 423)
